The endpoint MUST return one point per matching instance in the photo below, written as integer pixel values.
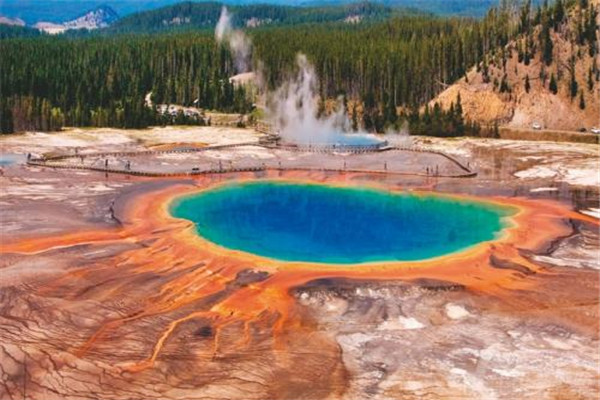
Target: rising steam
(238, 42)
(294, 107)
(294, 111)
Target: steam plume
(294, 109)
(240, 45)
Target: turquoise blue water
(318, 223)
(9, 159)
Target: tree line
(391, 67)
(104, 81)
(189, 15)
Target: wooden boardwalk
(60, 161)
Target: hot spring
(338, 225)
(342, 141)
(10, 159)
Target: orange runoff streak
(177, 247)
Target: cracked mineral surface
(103, 295)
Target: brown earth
(482, 102)
(105, 296)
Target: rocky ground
(93, 306)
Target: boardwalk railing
(58, 161)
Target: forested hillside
(15, 31)
(59, 11)
(189, 15)
(103, 81)
(53, 81)
(385, 71)
(547, 76)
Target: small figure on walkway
(279, 162)
(81, 159)
(106, 163)
(76, 150)
(427, 169)
(128, 165)
(437, 171)
(28, 156)
(220, 165)
(385, 165)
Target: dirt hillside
(484, 100)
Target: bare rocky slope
(101, 17)
(484, 101)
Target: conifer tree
(581, 100)
(573, 86)
(553, 86)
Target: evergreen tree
(553, 86)
(524, 20)
(504, 85)
(559, 13)
(6, 117)
(546, 43)
(459, 122)
(496, 132)
(354, 117)
(573, 86)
